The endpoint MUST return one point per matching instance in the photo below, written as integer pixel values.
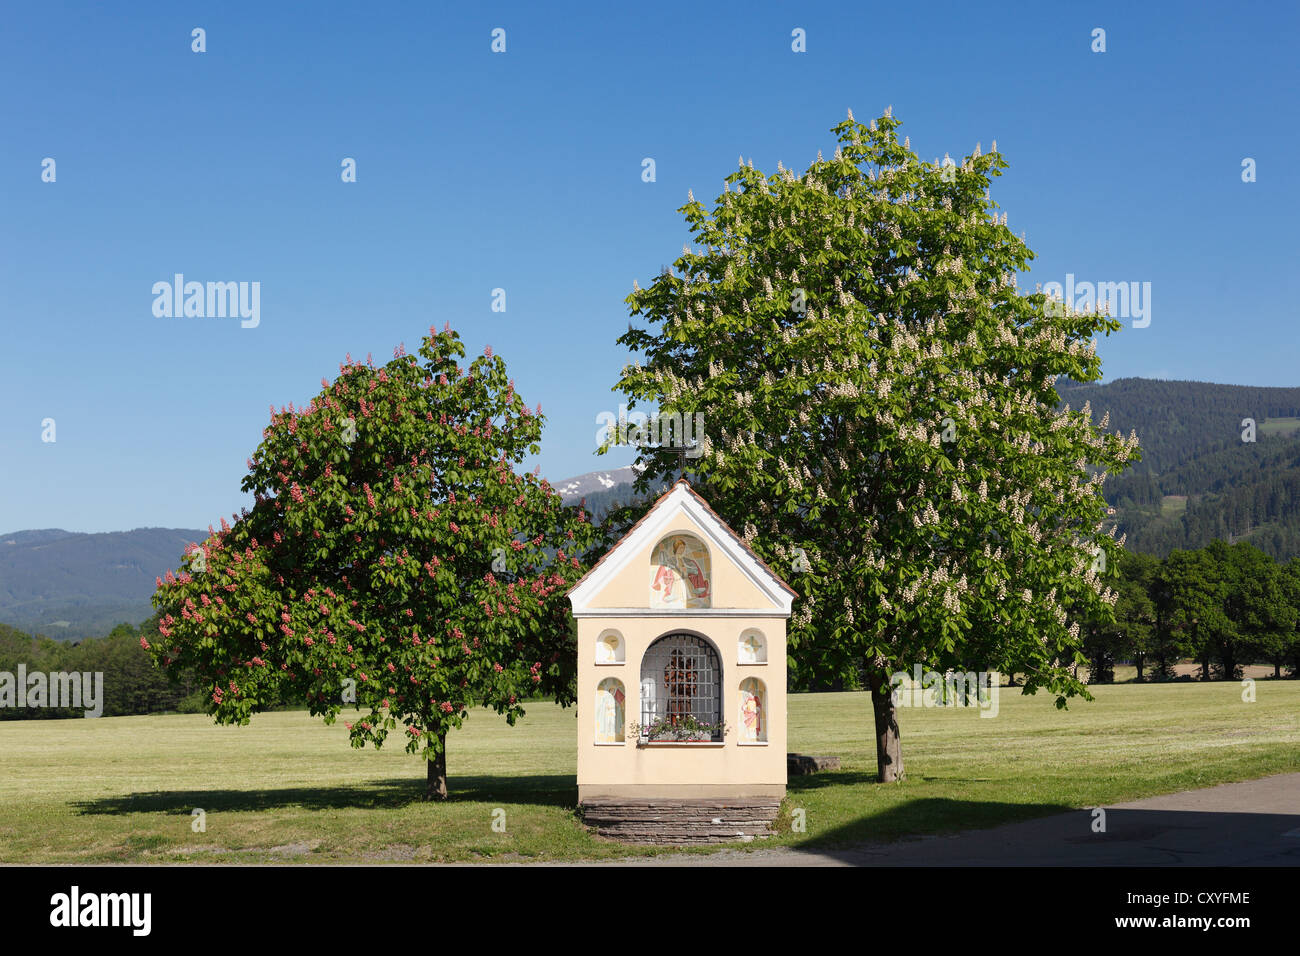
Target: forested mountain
(594, 483)
(1177, 421)
(71, 585)
(1199, 480)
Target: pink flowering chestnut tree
(393, 564)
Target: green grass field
(287, 788)
(1280, 426)
(1171, 505)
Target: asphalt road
(1254, 823)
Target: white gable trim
(653, 527)
(640, 612)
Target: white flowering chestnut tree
(393, 563)
(880, 416)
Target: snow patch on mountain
(572, 489)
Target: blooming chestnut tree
(881, 417)
(393, 561)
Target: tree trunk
(1139, 661)
(1228, 658)
(889, 745)
(436, 788)
(1277, 671)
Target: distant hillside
(1242, 492)
(1178, 421)
(1198, 481)
(593, 482)
(603, 491)
(70, 585)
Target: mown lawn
(287, 788)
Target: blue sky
(522, 171)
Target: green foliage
(366, 566)
(878, 395)
(131, 683)
(1223, 606)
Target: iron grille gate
(681, 677)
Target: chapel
(681, 680)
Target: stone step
(799, 764)
(658, 821)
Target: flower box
(680, 730)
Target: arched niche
(752, 647)
(681, 690)
(751, 721)
(610, 647)
(611, 713)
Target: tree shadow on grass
(923, 818)
(828, 778)
(554, 791)
(914, 816)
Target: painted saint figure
(609, 711)
(681, 579)
(751, 711)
